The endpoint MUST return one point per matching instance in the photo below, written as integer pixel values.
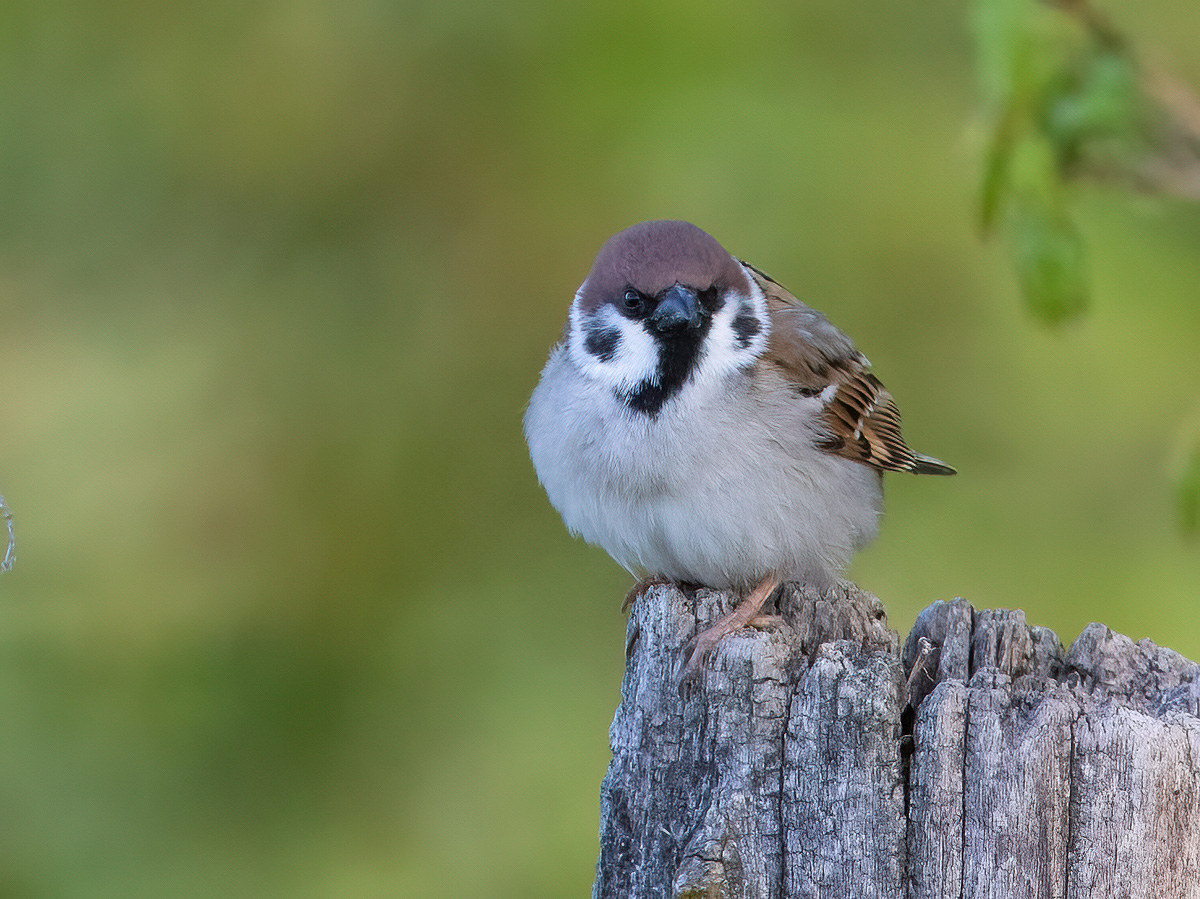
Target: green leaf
(1049, 258)
(1034, 172)
(997, 25)
(1020, 45)
(996, 173)
(1102, 102)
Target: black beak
(677, 309)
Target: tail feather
(929, 465)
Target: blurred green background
(291, 615)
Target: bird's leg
(701, 646)
(641, 587)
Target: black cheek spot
(603, 343)
(745, 327)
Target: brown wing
(861, 419)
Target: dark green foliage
(1062, 100)
(1049, 257)
(1067, 100)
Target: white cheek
(635, 359)
(723, 354)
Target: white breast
(721, 488)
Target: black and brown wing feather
(861, 419)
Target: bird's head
(665, 305)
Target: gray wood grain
(817, 759)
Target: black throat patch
(677, 358)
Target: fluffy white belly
(715, 490)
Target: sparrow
(704, 426)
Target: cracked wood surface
(818, 759)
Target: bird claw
(698, 650)
(696, 654)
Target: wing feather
(861, 420)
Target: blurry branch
(10, 554)
(1175, 168)
(1069, 101)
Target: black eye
(633, 302)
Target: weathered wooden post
(817, 759)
